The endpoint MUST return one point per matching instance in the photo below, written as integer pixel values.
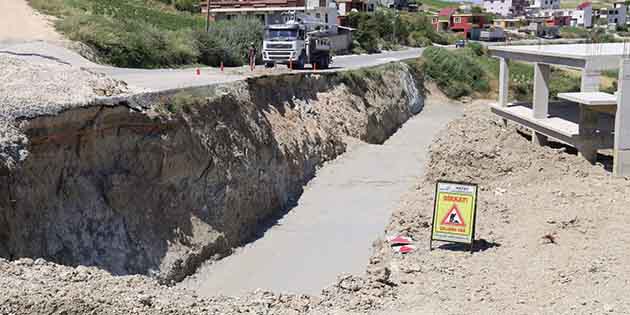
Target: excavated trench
(158, 183)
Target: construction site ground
(552, 230)
(551, 239)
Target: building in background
(345, 7)
(545, 4)
(582, 16)
(617, 15)
(507, 24)
(443, 20)
(448, 19)
(271, 11)
(394, 4)
(553, 17)
(506, 8)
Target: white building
(545, 4)
(507, 8)
(273, 11)
(582, 16)
(617, 14)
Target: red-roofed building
(448, 19)
(583, 15)
(583, 5)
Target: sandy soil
(552, 235)
(18, 21)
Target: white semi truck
(296, 43)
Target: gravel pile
(33, 88)
(39, 287)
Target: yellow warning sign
(454, 213)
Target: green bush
(187, 5)
(145, 34)
(384, 29)
(456, 73)
(418, 39)
(476, 48)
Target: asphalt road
(163, 79)
(341, 212)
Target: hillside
(435, 5)
(150, 34)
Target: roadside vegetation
(387, 29)
(594, 35)
(471, 72)
(436, 4)
(151, 34)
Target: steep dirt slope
(157, 183)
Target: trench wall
(160, 182)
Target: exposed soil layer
(157, 183)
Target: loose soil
(552, 238)
(552, 234)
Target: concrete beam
(621, 153)
(589, 140)
(541, 90)
(562, 61)
(541, 98)
(590, 80)
(504, 78)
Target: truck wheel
(269, 65)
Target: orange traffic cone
(198, 72)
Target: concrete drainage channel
(341, 212)
(158, 183)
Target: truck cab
(295, 44)
(283, 43)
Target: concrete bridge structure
(587, 120)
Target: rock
(380, 274)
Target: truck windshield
(282, 34)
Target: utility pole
(207, 16)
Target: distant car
(460, 43)
(551, 36)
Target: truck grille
(279, 46)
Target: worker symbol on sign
(453, 217)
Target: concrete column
(590, 80)
(541, 98)
(504, 78)
(621, 153)
(588, 134)
(541, 90)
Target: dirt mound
(40, 287)
(551, 229)
(480, 148)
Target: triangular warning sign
(453, 217)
